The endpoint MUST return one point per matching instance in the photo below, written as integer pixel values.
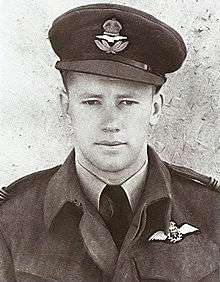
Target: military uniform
(51, 231)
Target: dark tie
(116, 211)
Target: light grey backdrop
(33, 136)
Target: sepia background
(33, 134)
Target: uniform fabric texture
(49, 231)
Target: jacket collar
(156, 200)
(64, 187)
(158, 187)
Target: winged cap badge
(175, 234)
(111, 41)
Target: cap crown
(150, 42)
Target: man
(113, 211)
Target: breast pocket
(191, 259)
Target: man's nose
(111, 119)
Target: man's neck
(113, 177)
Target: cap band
(114, 68)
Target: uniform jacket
(51, 232)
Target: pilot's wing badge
(175, 234)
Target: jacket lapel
(64, 187)
(98, 241)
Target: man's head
(111, 119)
(113, 60)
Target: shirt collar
(93, 186)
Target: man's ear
(64, 101)
(156, 108)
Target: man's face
(111, 120)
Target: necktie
(116, 212)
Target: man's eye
(91, 102)
(128, 102)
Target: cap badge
(175, 234)
(111, 41)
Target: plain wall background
(33, 135)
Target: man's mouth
(110, 144)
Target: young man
(113, 211)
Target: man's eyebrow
(126, 96)
(90, 95)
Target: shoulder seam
(5, 191)
(28, 176)
(188, 173)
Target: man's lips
(108, 143)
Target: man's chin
(111, 166)
(111, 162)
